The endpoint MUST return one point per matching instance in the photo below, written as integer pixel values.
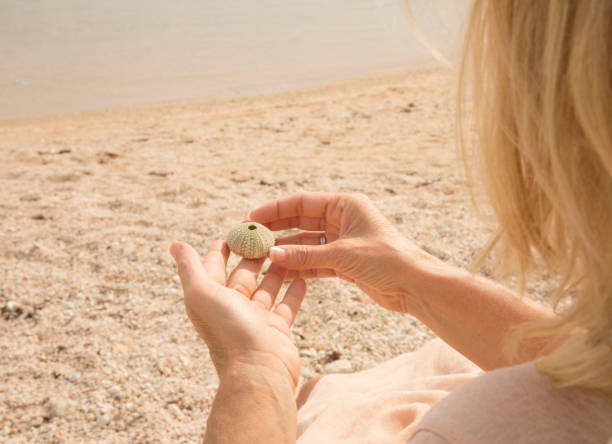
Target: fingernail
(175, 248)
(277, 255)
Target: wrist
(258, 366)
(255, 402)
(427, 277)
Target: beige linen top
(516, 405)
(436, 396)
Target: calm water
(70, 55)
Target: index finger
(299, 206)
(215, 261)
(189, 265)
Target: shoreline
(70, 57)
(309, 87)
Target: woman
(543, 107)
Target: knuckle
(301, 257)
(357, 197)
(300, 204)
(362, 200)
(241, 288)
(345, 197)
(340, 203)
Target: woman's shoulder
(516, 404)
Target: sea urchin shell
(250, 240)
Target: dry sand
(95, 344)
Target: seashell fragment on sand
(250, 240)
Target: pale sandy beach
(95, 344)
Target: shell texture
(250, 240)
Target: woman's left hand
(235, 316)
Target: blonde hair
(541, 81)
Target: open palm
(235, 316)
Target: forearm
(252, 405)
(473, 315)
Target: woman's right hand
(362, 246)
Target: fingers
(215, 261)
(190, 267)
(269, 287)
(301, 222)
(306, 208)
(304, 257)
(309, 238)
(317, 273)
(313, 273)
(244, 277)
(289, 306)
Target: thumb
(188, 262)
(303, 257)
